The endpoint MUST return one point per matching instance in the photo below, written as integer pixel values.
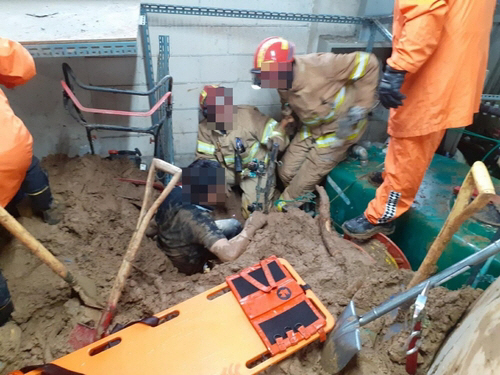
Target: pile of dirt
(100, 217)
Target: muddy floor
(101, 214)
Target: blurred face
(276, 75)
(204, 186)
(219, 108)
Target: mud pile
(100, 217)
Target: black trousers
(36, 186)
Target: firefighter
(20, 171)
(329, 95)
(237, 137)
(432, 82)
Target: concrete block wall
(203, 50)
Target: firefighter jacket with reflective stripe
(326, 85)
(251, 126)
(16, 67)
(443, 45)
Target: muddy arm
(229, 250)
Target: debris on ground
(100, 217)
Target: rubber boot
(44, 204)
(360, 228)
(6, 306)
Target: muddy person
(20, 171)
(185, 229)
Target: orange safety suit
(443, 45)
(16, 144)
(325, 86)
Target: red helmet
(273, 49)
(204, 93)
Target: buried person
(187, 233)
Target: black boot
(361, 229)
(6, 306)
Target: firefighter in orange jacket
(20, 171)
(329, 94)
(432, 82)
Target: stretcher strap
(245, 287)
(151, 321)
(46, 369)
(271, 283)
(276, 305)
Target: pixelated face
(220, 110)
(276, 75)
(204, 186)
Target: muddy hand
(256, 221)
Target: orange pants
(406, 161)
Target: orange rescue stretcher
(255, 319)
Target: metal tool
(260, 171)
(345, 340)
(239, 148)
(271, 175)
(414, 342)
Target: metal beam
(383, 30)
(83, 49)
(493, 98)
(243, 13)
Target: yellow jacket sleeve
(16, 64)
(421, 23)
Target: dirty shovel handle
(18, 231)
(433, 281)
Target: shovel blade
(87, 291)
(343, 343)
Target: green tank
(417, 229)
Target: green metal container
(417, 229)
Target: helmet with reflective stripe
(204, 93)
(273, 49)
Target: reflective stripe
(251, 154)
(268, 130)
(229, 160)
(338, 100)
(38, 192)
(304, 133)
(360, 65)
(205, 148)
(326, 140)
(359, 127)
(329, 140)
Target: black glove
(389, 88)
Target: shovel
(145, 217)
(84, 287)
(345, 340)
(478, 179)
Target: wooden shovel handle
(40, 251)
(477, 178)
(145, 217)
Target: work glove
(389, 88)
(347, 124)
